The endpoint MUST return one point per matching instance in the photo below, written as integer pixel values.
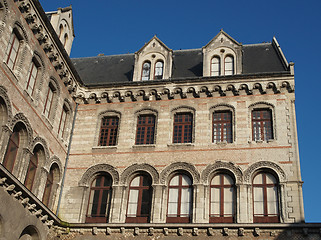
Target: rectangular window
(222, 127)
(32, 78)
(262, 125)
(183, 128)
(145, 129)
(62, 123)
(12, 51)
(108, 131)
(48, 103)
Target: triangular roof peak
(220, 34)
(156, 39)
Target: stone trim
(20, 117)
(5, 97)
(144, 167)
(179, 166)
(96, 169)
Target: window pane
(270, 179)
(174, 181)
(173, 195)
(258, 179)
(146, 71)
(135, 182)
(133, 196)
(186, 181)
(272, 200)
(228, 201)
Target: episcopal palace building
(157, 144)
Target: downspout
(67, 157)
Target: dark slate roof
(257, 58)
(105, 69)
(187, 63)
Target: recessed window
(159, 67)
(262, 125)
(222, 201)
(139, 200)
(265, 198)
(108, 131)
(183, 128)
(48, 188)
(229, 65)
(180, 192)
(49, 101)
(63, 120)
(146, 71)
(216, 66)
(222, 127)
(99, 199)
(12, 150)
(12, 51)
(145, 129)
(32, 76)
(31, 172)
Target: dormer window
(229, 65)
(146, 71)
(159, 66)
(216, 66)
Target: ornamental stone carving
(42, 142)
(180, 166)
(248, 173)
(144, 167)
(20, 117)
(209, 171)
(4, 96)
(90, 172)
(54, 160)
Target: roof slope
(257, 58)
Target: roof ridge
(257, 44)
(114, 55)
(185, 50)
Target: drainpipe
(67, 157)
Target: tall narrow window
(180, 193)
(31, 172)
(99, 199)
(183, 128)
(65, 39)
(159, 67)
(216, 66)
(229, 65)
(262, 124)
(32, 78)
(62, 124)
(49, 100)
(222, 201)
(222, 126)
(146, 71)
(11, 152)
(108, 131)
(139, 200)
(265, 198)
(145, 129)
(48, 188)
(12, 51)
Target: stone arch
(96, 169)
(30, 233)
(5, 107)
(178, 166)
(51, 161)
(20, 117)
(43, 143)
(144, 167)
(21, 30)
(251, 170)
(210, 170)
(4, 16)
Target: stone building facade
(161, 143)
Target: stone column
(116, 205)
(156, 209)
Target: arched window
(159, 67)
(13, 50)
(229, 65)
(33, 72)
(222, 200)
(139, 200)
(99, 199)
(49, 100)
(32, 168)
(180, 192)
(61, 29)
(48, 188)
(12, 149)
(216, 66)
(146, 71)
(63, 121)
(265, 198)
(65, 39)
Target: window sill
(177, 145)
(144, 146)
(104, 147)
(261, 141)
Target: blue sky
(122, 26)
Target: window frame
(139, 217)
(48, 188)
(34, 65)
(101, 188)
(266, 218)
(232, 63)
(180, 138)
(8, 154)
(48, 108)
(222, 128)
(145, 132)
(31, 174)
(108, 128)
(178, 218)
(219, 66)
(63, 121)
(262, 122)
(156, 77)
(149, 74)
(222, 218)
(13, 38)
